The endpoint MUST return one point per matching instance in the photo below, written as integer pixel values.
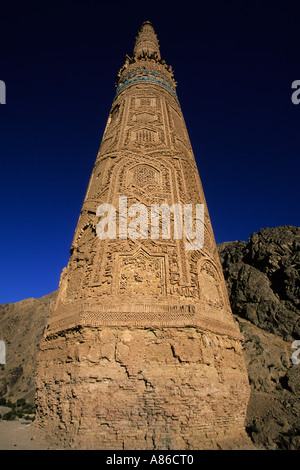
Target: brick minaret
(142, 351)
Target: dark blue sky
(234, 63)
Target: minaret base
(150, 388)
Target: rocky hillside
(263, 281)
(21, 328)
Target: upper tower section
(146, 43)
(146, 65)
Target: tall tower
(142, 351)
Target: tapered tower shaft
(142, 341)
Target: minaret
(142, 351)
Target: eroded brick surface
(142, 351)
(130, 388)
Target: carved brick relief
(178, 132)
(124, 304)
(209, 285)
(144, 127)
(147, 177)
(112, 131)
(81, 261)
(141, 274)
(143, 175)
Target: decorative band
(146, 76)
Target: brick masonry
(142, 351)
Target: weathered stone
(169, 401)
(262, 277)
(21, 328)
(142, 351)
(264, 292)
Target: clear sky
(234, 63)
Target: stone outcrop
(21, 328)
(262, 277)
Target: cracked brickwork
(155, 388)
(142, 350)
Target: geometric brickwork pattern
(111, 286)
(146, 156)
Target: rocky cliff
(21, 328)
(262, 277)
(263, 281)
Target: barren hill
(21, 328)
